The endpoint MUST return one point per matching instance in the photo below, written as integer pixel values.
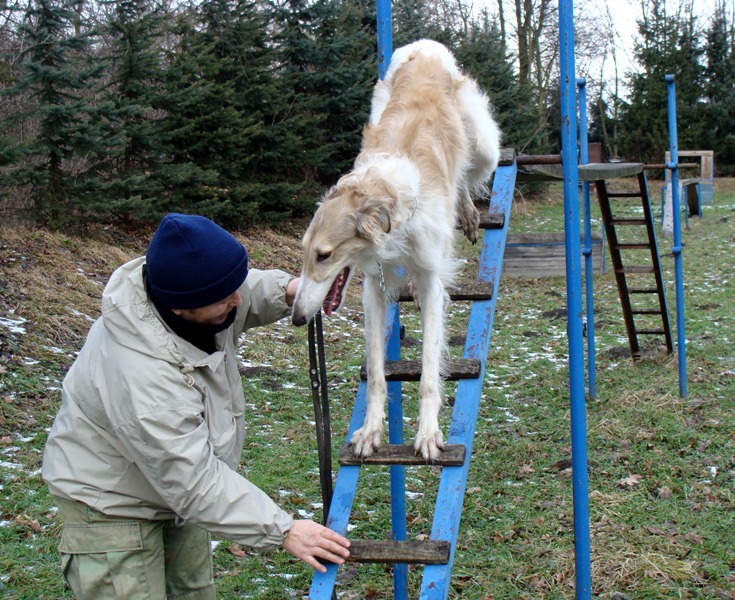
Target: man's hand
(291, 289)
(310, 542)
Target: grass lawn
(661, 468)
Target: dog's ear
(372, 219)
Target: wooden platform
(589, 172)
(544, 255)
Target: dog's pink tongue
(329, 302)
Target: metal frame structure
(450, 496)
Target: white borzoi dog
(431, 140)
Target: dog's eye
(322, 256)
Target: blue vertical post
(395, 389)
(584, 158)
(574, 302)
(676, 248)
(385, 36)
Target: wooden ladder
(437, 552)
(632, 233)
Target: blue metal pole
(584, 158)
(395, 389)
(676, 248)
(574, 302)
(397, 472)
(385, 36)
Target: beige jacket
(151, 427)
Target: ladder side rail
(617, 262)
(656, 260)
(345, 487)
(452, 484)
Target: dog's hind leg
(433, 297)
(367, 439)
(467, 214)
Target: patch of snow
(14, 325)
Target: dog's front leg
(367, 439)
(467, 213)
(433, 298)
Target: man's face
(212, 314)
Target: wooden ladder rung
(622, 221)
(467, 291)
(452, 455)
(623, 194)
(490, 220)
(507, 157)
(637, 269)
(646, 311)
(427, 552)
(643, 290)
(650, 331)
(410, 370)
(633, 246)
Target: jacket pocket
(94, 538)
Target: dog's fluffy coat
(430, 142)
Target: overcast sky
(625, 14)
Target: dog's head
(346, 231)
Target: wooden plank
(452, 455)
(427, 552)
(543, 254)
(600, 171)
(466, 291)
(507, 156)
(489, 220)
(410, 370)
(692, 194)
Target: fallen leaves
(29, 523)
(664, 493)
(630, 481)
(236, 550)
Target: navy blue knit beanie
(193, 262)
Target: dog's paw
(469, 220)
(429, 445)
(365, 441)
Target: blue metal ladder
(437, 553)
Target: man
(143, 455)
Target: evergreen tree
(482, 54)
(602, 126)
(719, 92)
(302, 60)
(203, 132)
(412, 22)
(667, 45)
(126, 109)
(55, 78)
(338, 78)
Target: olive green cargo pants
(105, 558)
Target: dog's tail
(483, 133)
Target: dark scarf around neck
(200, 335)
